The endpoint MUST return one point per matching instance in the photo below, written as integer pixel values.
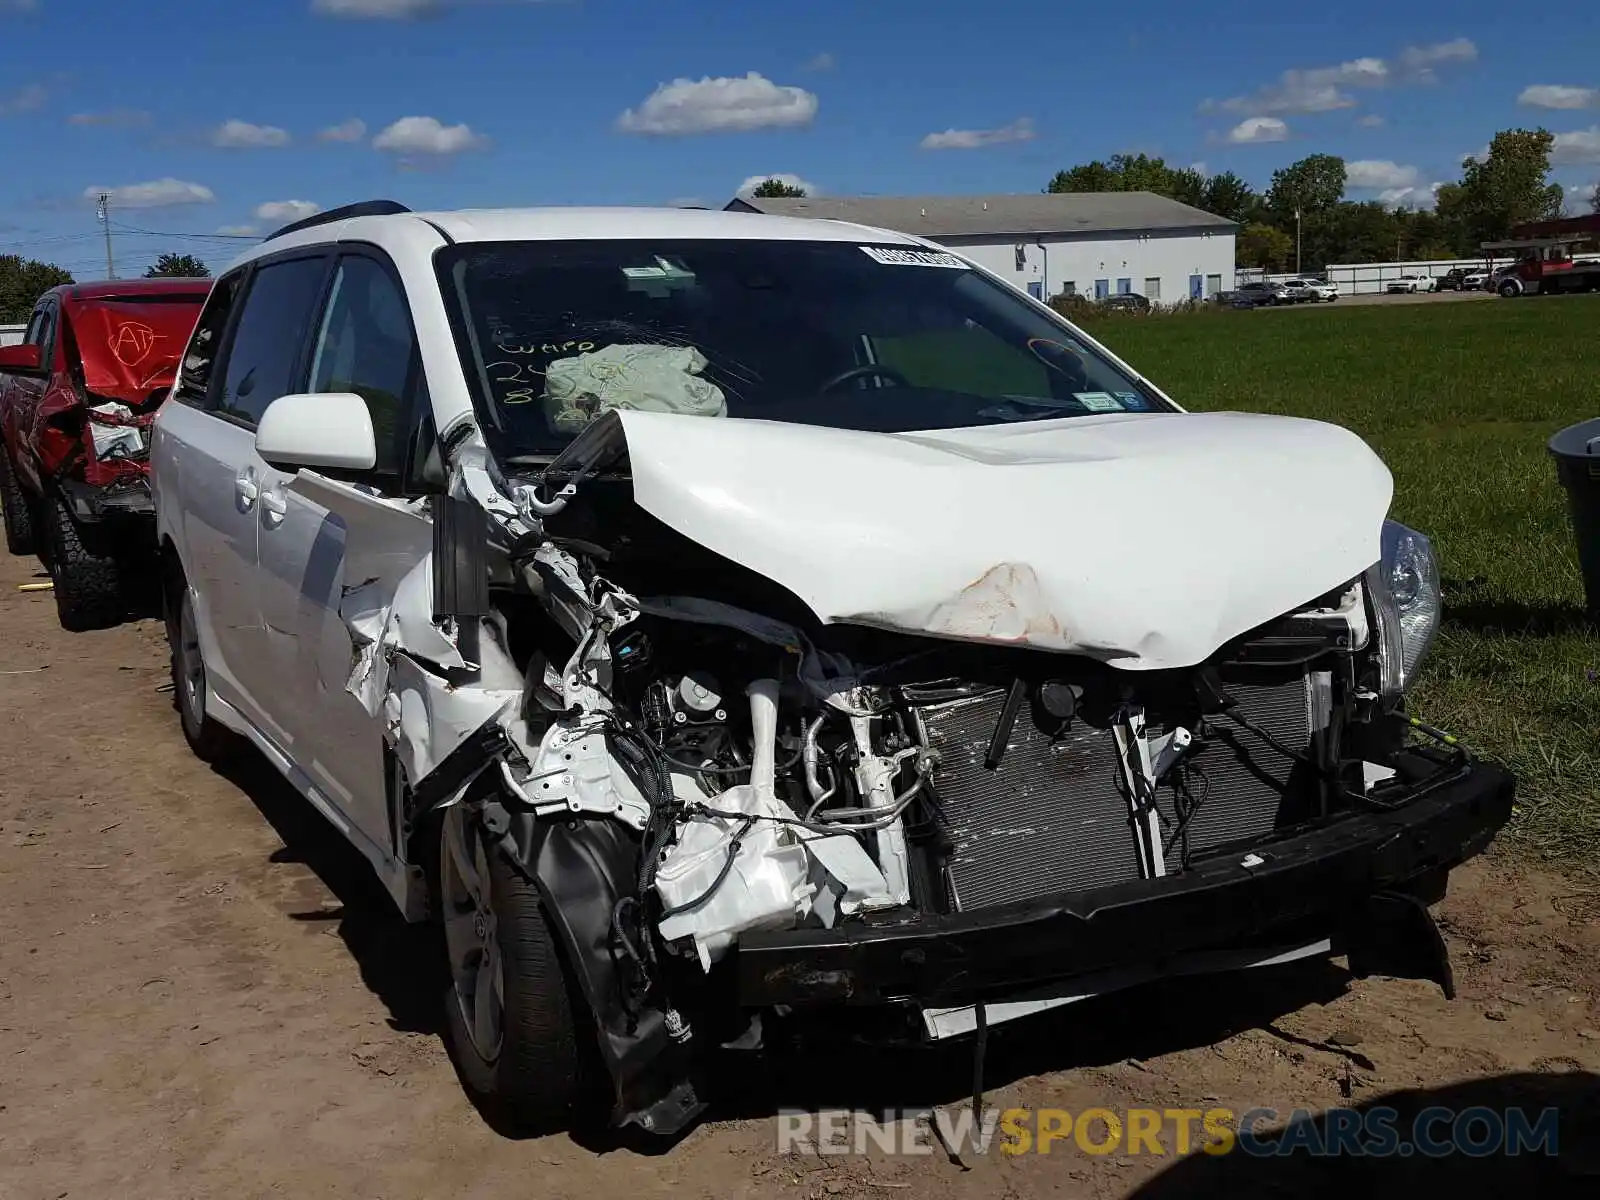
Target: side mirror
(24, 359)
(329, 429)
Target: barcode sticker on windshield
(1097, 401)
(912, 258)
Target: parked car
(1310, 290)
(500, 533)
(1473, 281)
(76, 399)
(1130, 302)
(1412, 283)
(1255, 295)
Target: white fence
(1356, 279)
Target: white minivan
(718, 621)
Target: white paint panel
(1021, 533)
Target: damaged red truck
(76, 401)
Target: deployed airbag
(647, 377)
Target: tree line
(24, 280)
(1510, 184)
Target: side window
(270, 335)
(366, 346)
(42, 333)
(195, 374)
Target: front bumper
(1322, 879)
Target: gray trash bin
(1576, 450)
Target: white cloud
(728, 104)
(1578, 146)
(1258, 129)
(375, 10)
(749, 185)
(158, 193)
(821, 63)
(1417, 62)
(1557, 95)
(1580, 198)
(29, 99)
(1370, 121)
(241, 135)
(122, 118)
(1323, 89)
(1379, 173)
(286, 210)
(352, 130)
(1412, 196)
(427, 135)
(237, 230)
(1020, 130)
(1200, 168)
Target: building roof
(1010, 216)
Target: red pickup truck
(76, 401)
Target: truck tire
(88, 582)
(1510, 289)
(14, 510)
(510, 1011)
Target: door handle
(246, 489)
(274, 507)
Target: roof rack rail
(366, 208)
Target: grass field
(1459, 399)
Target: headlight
(1407, 604)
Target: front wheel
(509, 1012)
(14, 510)
(1509, 289)
(88, 582)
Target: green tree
(1142, 173)
(180, 266)
(1227, 195)
(1313, 185)
(772, 189)
(1263, 245)
(1506, 187)
(22, 282)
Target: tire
(211, 742)
(1510, 290)
(15, 510)
(88, 582)
(527, 1068)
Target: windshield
(883, 338)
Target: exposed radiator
(1053, 817)
(1049, 819)
(1246, 789)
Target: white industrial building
(1094, 244)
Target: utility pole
(105, 219)
(1297, 267)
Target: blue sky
(203, 116)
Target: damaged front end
(731, 808)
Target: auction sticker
(891, 257)
(1132, 401)
(1098, 401)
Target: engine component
(697, 693)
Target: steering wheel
(865, 371)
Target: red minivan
(76, 401)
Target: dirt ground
(203, 993)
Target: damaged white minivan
(716, 621)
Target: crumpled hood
(1146, 540)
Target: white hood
(1145, 540)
